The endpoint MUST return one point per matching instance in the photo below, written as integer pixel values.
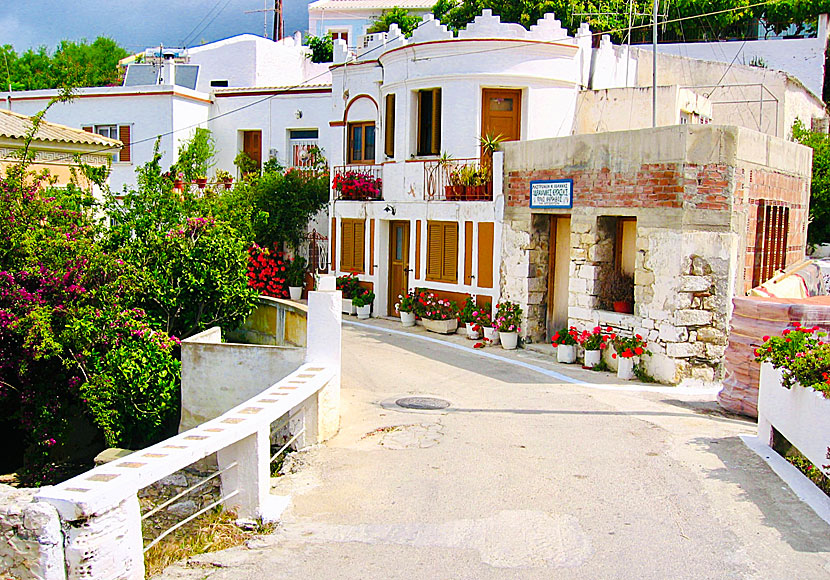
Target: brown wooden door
(501, 113)
(398, 262)
(558, 273)
(252, 145)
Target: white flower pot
(408, 318)
(592, 358)
(296, 292)
(441, 326)
(472, 334)
(566, 353)
(625, 368)
(509, 340)
(364, 312)
(491, 334)
(348, 307)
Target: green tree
(818, 231)
(322, 48)
(405, 20)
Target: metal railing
(304, 153)
(458, 180)
(315, 249)
(358, 182)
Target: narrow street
(523, 476)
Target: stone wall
(32, 539)
(693, 192)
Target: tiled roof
(16, 126)
(370, 4)
(286, 89)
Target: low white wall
(31, 540)
(217, 376)
(800, 414)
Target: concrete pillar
(250, 478)
(324, 348)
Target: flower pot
(452, 192)
(408, 318)
(201, 182)
(227, 183)
(509, 340)
(625, 368)
(592, 358)
(364, 312)
(471, 333)
(296, 292)
(441, 326)
(347, 306)
(623, 307)
(178, 184)
(491, 334)
(566, 353)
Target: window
(352, 236)
(362, 143)
(442, 251)
(340, 35)
(303, 146)
(429, 122)
(616, 256)
(219, 83)
(772, 228)
(389, 127)
(119, 133)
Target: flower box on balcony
(359, 185)
(800, 414)
(466, 192)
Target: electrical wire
(205, 27)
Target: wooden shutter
(124, 155)
(334, 244)
(359, 228)
(346, 245)
(87, 129)
(485, 255)
(435, 250)
(371, 247)
(436, 122)
(468, 253)
(449, 271)
(389, 127)
(417, 249)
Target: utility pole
(278, 24)
(654, 66)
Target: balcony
(458, 180)
(358, 182)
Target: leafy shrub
(268, 271)
(802, 355)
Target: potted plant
(507, 320)
(349, 285)
(565, 340)
(178, 182)
(357, 185)
(628, 350)
(439, 315)
(468, 182)
(225, 178)
(593, 342)
(295, 276)
(405, 307)
(363, 303)
(469, 316)
(201, 181)
(616, 292)
(491, 332)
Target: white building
(347, 20)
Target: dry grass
(215, 530)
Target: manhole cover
(422, 403)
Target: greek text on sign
(557, 193)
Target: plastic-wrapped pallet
(753, 318)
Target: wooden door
(501, 113)
(252, 145)
(398, 262)
(558, 273)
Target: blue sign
(552, 193)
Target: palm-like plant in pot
(295, 277)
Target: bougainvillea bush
(267, 271)
(803, 356)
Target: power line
(205, 17)
(215, 16)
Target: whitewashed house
(348, 20)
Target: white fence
(99, 509)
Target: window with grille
(352, 242)
(772, 227)
(442, 251)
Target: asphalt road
(523, 476)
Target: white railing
(99, 509)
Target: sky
(138, 24)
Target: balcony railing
(458, 180)
(358, 182)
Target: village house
(693, 212)
(348, 20)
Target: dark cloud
(138, 24)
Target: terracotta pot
(623, 307)
(566, 353)
(178, 184)
(201, 182)
(453, 192)
(592, 358)
(509, 340)
(408, 318)
(441, 326)
(227, 183)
